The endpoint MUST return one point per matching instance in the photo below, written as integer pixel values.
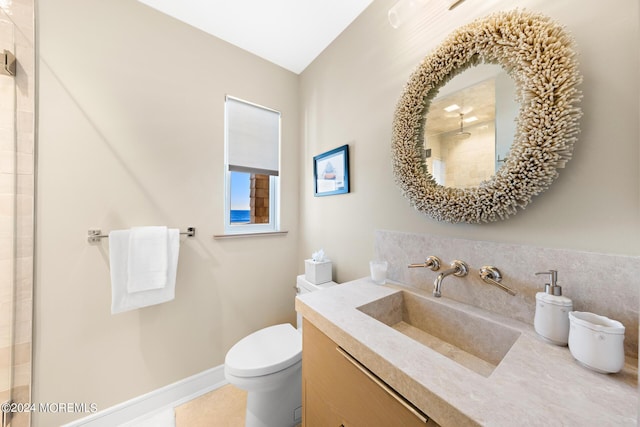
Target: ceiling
(289, 33)
(475, 101)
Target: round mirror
(538, 58)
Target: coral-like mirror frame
(538, 54)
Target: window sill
(256, 234)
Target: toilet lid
(265, 351)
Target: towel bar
(94, 235)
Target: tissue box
(317, 272)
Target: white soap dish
(596, 341)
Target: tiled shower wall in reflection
(17, 126)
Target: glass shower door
(7, 209)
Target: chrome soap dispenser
(552, 312)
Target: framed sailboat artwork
(331, 172)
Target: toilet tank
(303, 286)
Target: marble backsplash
(599, 283)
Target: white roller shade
(253, 138)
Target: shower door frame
(17, 212)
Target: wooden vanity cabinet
(338, 391)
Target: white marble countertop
(536, 383)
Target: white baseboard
(171, 395)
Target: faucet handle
(432, 263)
(490, 272)
(491, 275)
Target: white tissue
(318, 256)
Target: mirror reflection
(470, 127)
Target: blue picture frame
(331, 172)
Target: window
(252, 167)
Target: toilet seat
(265, 352)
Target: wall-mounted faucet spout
(458, 268)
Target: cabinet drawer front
(338, 390)
(383, 386)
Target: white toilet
(268, 365)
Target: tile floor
(223, 407)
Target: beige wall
(349, 95)
(131, 133)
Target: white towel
(121, 299)
(147, 259)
